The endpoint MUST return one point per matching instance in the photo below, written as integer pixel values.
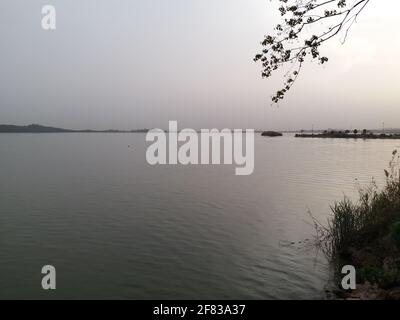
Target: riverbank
(366, 234)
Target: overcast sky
(139, 63)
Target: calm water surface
(116, 227)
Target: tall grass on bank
(369, 222)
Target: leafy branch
(292, 43)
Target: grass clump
(366, 233)
(395, 234)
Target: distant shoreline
(371, 134)
(340, 135)
(35, 128)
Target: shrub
(395, 234)
(365, 223)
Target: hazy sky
(139, 63)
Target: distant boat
(271, 134)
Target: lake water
(116, 227)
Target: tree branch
(292, 44)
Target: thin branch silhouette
(294, 40)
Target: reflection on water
(116, 227)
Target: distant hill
(32, 128)
(37, 128)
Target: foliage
(375, 214)
(366, 233)
(395, 233)
(298, 36)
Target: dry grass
(364, 233)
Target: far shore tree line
(363, 132)
(355, 131)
